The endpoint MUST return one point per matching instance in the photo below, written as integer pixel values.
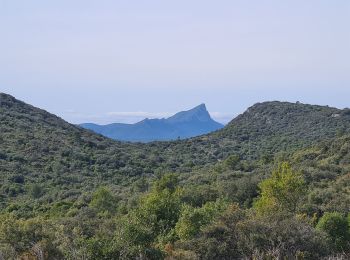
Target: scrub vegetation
(273, 184)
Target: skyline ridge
(80, 59)
(184, 124)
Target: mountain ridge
(44, 148)
(264, 130)
(52, 173)
(184, 124)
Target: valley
(74, 194)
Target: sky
(109, 61)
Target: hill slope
(38, 147)
(269, 128)
(194, 122)
(50, 171)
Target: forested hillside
(273, 183)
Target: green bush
(281, 192)
(336, 226)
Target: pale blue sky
(107, 60)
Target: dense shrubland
(164, 223)
(274, 183)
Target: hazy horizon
(122, 61)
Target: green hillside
(268, 128)
(73, 194)
(38, 147)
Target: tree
(193, 219)
(135, 236)
(281, 192)
(144, 230)
(166, 182)
(218, 240)
(103, 200)
(336, 226)
(163, 203)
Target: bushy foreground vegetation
(164, 223)
(273, 184)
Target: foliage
(337, 228)
(26, 237)
(69, 161)
(193, 219)
(103, 200)
(281, 192)
(152, 222)
(66, 193)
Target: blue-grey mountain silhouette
(185, 124)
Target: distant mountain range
(185, 124)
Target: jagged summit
(198, 113)
(185, 124)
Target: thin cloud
(129, 117)
(140, 114)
